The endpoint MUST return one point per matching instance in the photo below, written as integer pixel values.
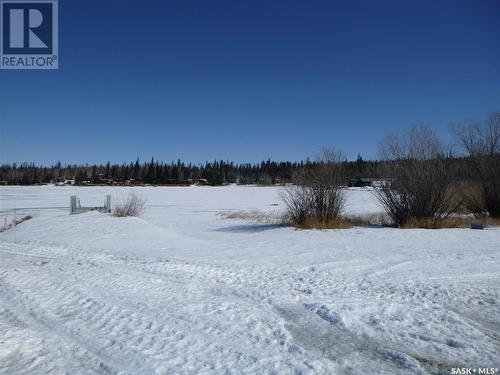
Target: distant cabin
(202, 181)
(373, 182)
(61, 182)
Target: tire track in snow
(59, 339)
(99, 327)
(73, 300)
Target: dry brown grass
(452, 222)
(384, 221)
(271, 218)
(132, 206)
(493, 221)
(345, 222)
(255, 216)
(338, 223)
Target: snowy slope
(182, 290)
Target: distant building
(202, 181)
(373, 182)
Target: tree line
(154, 172)
(211, 173)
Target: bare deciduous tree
(481, 142)
(421, 190)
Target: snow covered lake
(184, 290)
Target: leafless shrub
(421, 191)
(132, 206)
(317, 197)
(11, 223)
(471, 196)
(481, 142)
(298, 202)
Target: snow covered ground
(183, 290)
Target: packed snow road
(183, 290)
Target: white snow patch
(181, 290)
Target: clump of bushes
(481, 143)
(421, 195)
(317, 197)
(427, 191)
(132, 206)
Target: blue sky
(249, 80)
